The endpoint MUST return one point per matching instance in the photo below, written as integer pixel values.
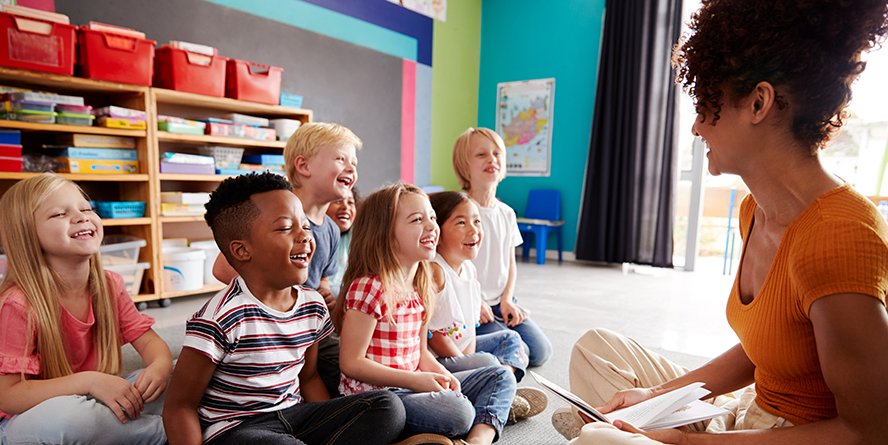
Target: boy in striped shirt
(249, 361)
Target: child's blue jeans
(538, 345)
(486, 396)
(501, 347)
(83, 420)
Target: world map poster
(524, 120)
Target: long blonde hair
(373, 251)
(27, 269)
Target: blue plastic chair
(542, 217)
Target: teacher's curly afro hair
(808, 50)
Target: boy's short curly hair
(807, 50)
(231, 212)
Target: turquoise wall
(528, 39)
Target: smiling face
(280, 239)
(343, 212)
(416, 232)
(726, 145)
(67, 227)
(461, 234)
(335, 168)
(487, 162)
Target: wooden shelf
(129, 177)
(185, 177)
(226, 104)
(108, 222)
(207, 288)
(180, 219)
(62, 128)
(165, 136)
(67, 83)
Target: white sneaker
(566, 423)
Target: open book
(671, 410)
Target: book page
(693, 412)
(646, 412)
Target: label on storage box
(97, 166)
(129, 124)
(96, 141)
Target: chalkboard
(343, 83)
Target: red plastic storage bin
(180, 70)
(10, 158)
(115, 57)
(253, 82)
(35, 44)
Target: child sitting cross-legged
(247, 372)
(62, 322)
(382, 315)
(453, 338)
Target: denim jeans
(501, 347)
(539, 347)
(83, 420)
(486, 396)
(328, 363)
(374, 417)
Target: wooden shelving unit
(149, 182)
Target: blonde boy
(322, 167)
(479, 160)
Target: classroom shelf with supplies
(145, 178)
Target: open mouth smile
(84, 234)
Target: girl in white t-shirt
(452, 334)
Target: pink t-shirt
(18, 347)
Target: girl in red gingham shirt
(382, 314)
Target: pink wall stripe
(408, 120)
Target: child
(382, 313)
(479, 159)
(248, 361)
(457, 313)
(322, 166)
(62, 322)
(343, 214)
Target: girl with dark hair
(771, 80)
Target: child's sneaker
(566, 423)
(520, 408)
(528, 402)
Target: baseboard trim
(550, 255)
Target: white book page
(644, 413)
(693, 412)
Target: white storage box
(119, 250)
(212, 251)
(183, 268)
(285, 127)
(132, 275)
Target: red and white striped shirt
(258, 352)
(394, 344)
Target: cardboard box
(97, 166)
(95, 141)
(199, 198)
(189, 169)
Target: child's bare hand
(118, 394)
(512, 314)
(486, 313)
(152, 382)
(329, 298)
(431, 382)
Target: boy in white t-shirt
(479, 160)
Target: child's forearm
(443, 346)
(154, 351)
(182, 425)
(509, 290)
(18, 396)
(369, 371)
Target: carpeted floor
(537, 430)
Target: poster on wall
(524, 118)
(436, 9)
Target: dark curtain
(627, 213)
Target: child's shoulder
(305, 296)
(13, 299)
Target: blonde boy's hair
(462, 151)
(27, 269)
(308, 140)
(373, 251)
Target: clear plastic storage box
(120, 250)
(132, 275)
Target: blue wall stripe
(329, 23)
(422, 160)
(391, 16)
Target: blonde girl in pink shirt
(62, 322)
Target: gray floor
(678, 314)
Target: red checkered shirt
(396, 345)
